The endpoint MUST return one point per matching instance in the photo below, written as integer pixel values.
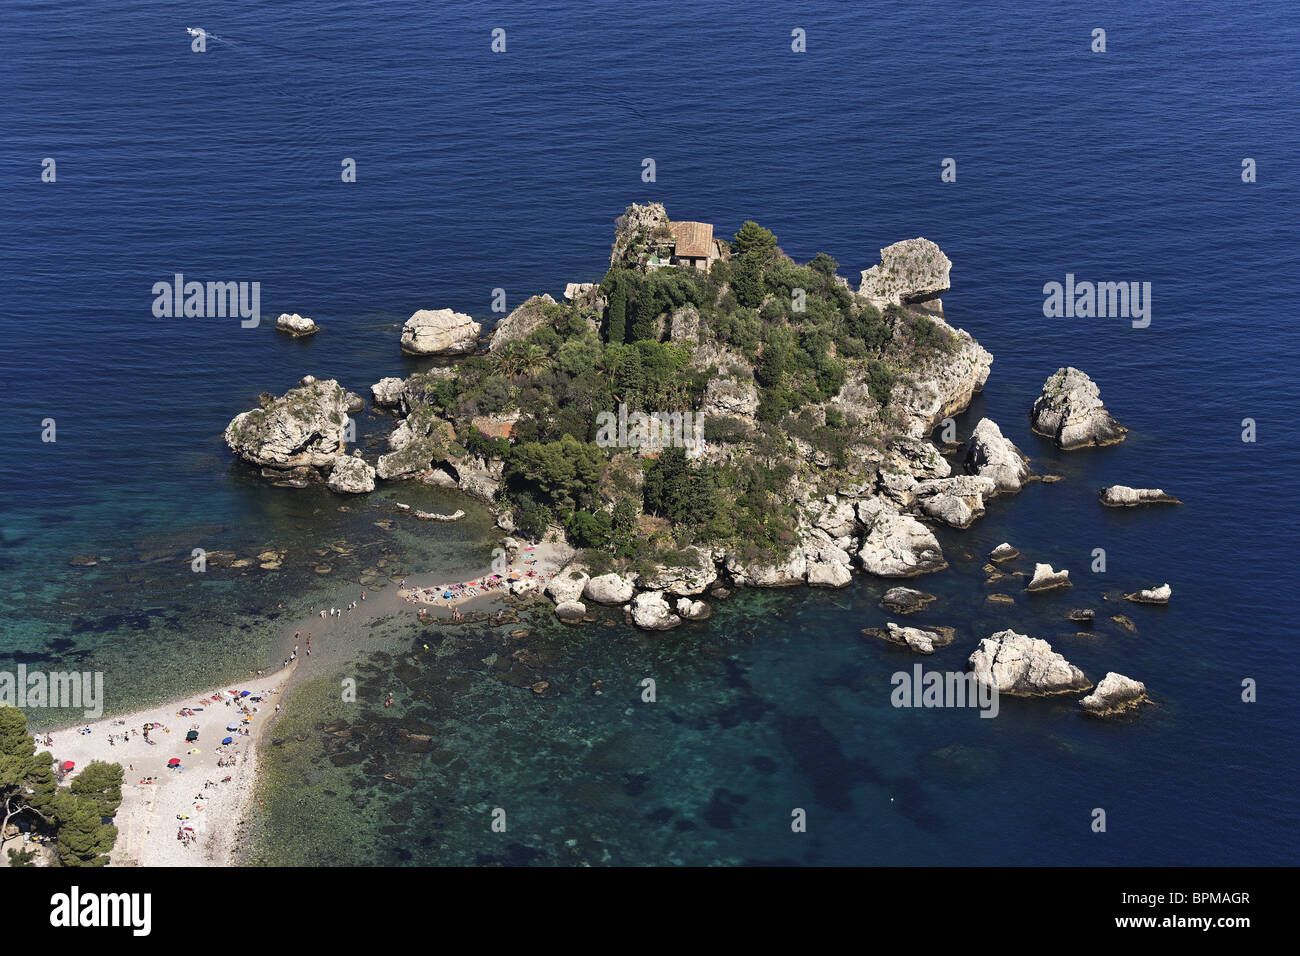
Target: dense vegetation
(795, 332)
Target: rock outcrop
(1070, 412)
(768, 572)
(303, 428)
(690, 572)
(1045, 579)
(440, 332)
(955, 501)
(351, 475)
(1024, 666)
(650, 611)
(896, 545)
(922, 641)
(913, 270)
(522, 322)
(1003, 552)
(1114, 695)
(568, 584)
(610, 588)
(387, 392)
(1160, 595)
(1122, 496)
(989, 454)
(690, 610)
(571, 612)
(296, 325)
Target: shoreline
(226, 794)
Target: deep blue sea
(479, 170)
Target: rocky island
(780, 429)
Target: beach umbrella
(244, 693)
(228, 740)
(232, 726)
(192, 735)
(68, 765)
(174, 762)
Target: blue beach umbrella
(228, 740)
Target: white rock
(296, 325)
(351, 475)
(1116, 694)
(651, 612)
(610, 588)
(387, 392)
(1045, 579)
(440, 332)
(1070, 412)
(991, 455)
(568, 584)
(1024, 666)
(909, 271)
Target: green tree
(83, 837)
(100, 784)
(26, 778)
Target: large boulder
(990, 455)
(650, 611)
(763, 572)
(1114, 695)
(387, 392)
(440, 332)
(955, 501)
(1045, 579)
(902, 600)
(568, 584)
(296, 325)
(303, 428)
(1122, 496)
(1070, 412)
(689, 571)
(690, 610)
(913, 270)
(1024, 666)
(827, 566)
(611, 588)
(920, 640)
(521, 323)
(1158, 595)
(351, 475)
(571, 612)
(896, 545)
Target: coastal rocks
(522, 322)
(1115, 695)
(354, 403)
(906, 600)
(1024, 666)
(1045, 579)
(351, 475)
(689, 610)
(1070, 412)
(919, 640)
(955, 501)
(690, 571)
(827, 567)
(912, 270)
(577, 291)
(1122, 496)
(296, 325)
(1003, 552)
(571, 612)
(568, 584)
(989, 454)
(832, 515)
(431, 516)
(943, 384)
(1160, 595)
(1083, 616)
(632, 230)
(610, 588)
(768, 573)
(387, 392)
(650, 611)
(896, 546)
(304, 428)
(440, 332)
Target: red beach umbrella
(174, 762)
(68, 765)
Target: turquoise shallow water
(478, 172)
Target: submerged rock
(1116, 694)
(906, 600)
(1122, 496)
(1024, 666)
(1083, 615)
(923, 641)
(1070, 412)
(440, 332)
(571, 612)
